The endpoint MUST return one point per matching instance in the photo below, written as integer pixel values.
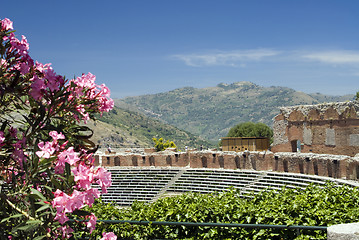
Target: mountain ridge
(210, 112)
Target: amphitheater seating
(148, 184)
(132, 184)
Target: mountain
(121, 128)
(211, 112)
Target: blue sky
(150, 46)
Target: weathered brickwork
(336, 166)
(331, 128)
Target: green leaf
(37, 195)
(56, 183)
(30, 225)
(40, 237)
(43, 208)
(13, 216)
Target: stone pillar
(349, 231)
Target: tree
(250, 129)
(46, 157)
(160, 145)
(357, 96)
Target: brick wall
(336, 166)
(331, 128)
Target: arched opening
(169, 160)
(237, 162)
(117, 161)
(152, 161)
(221, 161)
(134, 161)
(204, 162)
(296, 145)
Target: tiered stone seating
(148, 184)
(276, 181)
(139, 184)
(207, 181)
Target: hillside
(211, 112)
(121, 128)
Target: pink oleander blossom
(106, 104)
(69, 156)
(56, 136)
(37, 88)
(86, 81)
(66, 231)
(64, 203)
(6, 24)
(90, 196)
(54, 81)
(3, 63)
(47, 150)
(18, 152)
(104, 178)
(13, 132)
(91, 224)
(2, 137)
(83, 176)
(108, 236)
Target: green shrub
(314, 206)
(160, 145)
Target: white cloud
(334, 57)
(237, 58)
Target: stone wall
(336, 166)
(331, 128)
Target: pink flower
(91, 224)
(104, 91)
(13, 132)
(61, 217)
(76, 201)
(106, 104)
(83, 176)
(6, 24)
(104, 178)
(108, 236)
(86, 81)
(81, 109)
(18, 152)
(54, 81)
(3, 63)
(66, 231)
(37, 87)
(90, 195)
(69, 156)
(47, 150)
(56, 136)
(2, 138)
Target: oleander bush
(46, 155)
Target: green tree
(160, 145)
(250, 129)
(357, 96)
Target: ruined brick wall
(336, 166)
(331, 128)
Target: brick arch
(313, 115)
(117, 161)
(349, 113)
(330, 114)
(296, 116)
(295, 132)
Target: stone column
(349, 231)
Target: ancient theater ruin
(330, 128)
